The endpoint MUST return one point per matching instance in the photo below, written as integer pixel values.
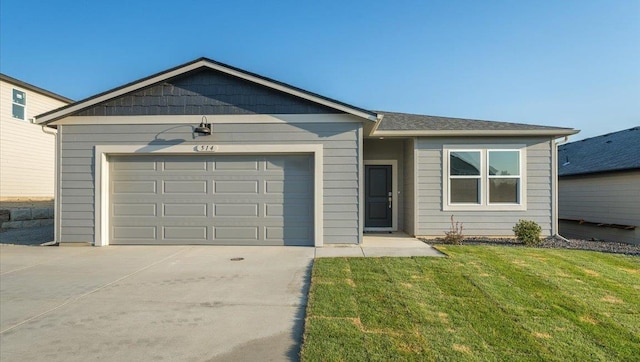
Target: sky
(562, 63)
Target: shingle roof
(394, 121)
(615, 151)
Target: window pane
(18, 111)
(19, 97)
(465, 190)
(464, 163)
(504, 190)
(504, 163)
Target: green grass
(482, 303)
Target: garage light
(204, 128)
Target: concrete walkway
(380, 244)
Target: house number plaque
(206, 148)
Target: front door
(378, 196)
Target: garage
(211, 199)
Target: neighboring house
(284, 166)
(27, 153)
(599, 195)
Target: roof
(201, 63)
(398, 124)
(617, 151)
(33, 88)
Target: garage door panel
(134, 187)
(182, 210)
(235, 187)
(184, 187)
(198, 233)
(236, 209)
(135, 232)
(213, 199)
(185, 166)
(133, 209)
(236, 233)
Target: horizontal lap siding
(340, 142)
(409, 186)
(608, 198)
(28, 154)
(433, 221)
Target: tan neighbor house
(27, 153)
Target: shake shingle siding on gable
(206, 92)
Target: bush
(528, 232)
(454, 235)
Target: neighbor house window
(19, 102)
(483, 178)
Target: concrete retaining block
(40, 213)
(20, 214)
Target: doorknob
(390, 199)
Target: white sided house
(206, 153)
(27, 152)
(599, 181)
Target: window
(483, 178)
(19, 101)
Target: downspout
(555, 230)
(56, 195)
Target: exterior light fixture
(204, 128)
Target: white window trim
(101, 179)
(24, 106)
(484, 204)
(394, 191)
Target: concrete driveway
(171, 303)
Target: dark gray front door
(378, 196)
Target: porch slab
(380, 245)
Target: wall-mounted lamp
(204, 128)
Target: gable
(206, 91)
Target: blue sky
(566, 63)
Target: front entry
(378, 196)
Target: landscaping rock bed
(554, 242)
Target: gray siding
(611, 198)
(409, 187)
(433, 221)
(389, 150)
(341, 181)
(205, 92)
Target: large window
(483, 177)
(19, 102)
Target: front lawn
(481, 303)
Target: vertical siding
(340, 141)
(612, 198)
(389, 150)
(409, 187)
(27, 154)
(433, 221)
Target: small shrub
(528, 232)
(454, 235)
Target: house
(27, 152)
(206, 153)
(599, 187)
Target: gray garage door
(223, 200)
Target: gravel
(558, 243)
